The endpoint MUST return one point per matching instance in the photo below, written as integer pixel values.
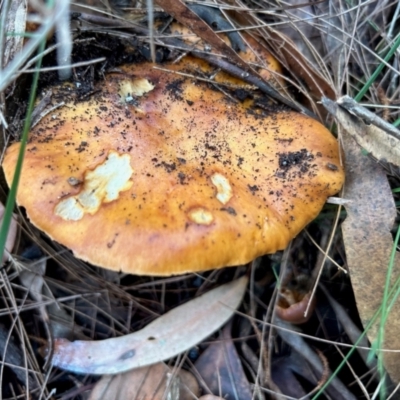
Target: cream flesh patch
(224, 189)
(102, 185)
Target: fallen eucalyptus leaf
(156, 382)
(366, 230)
(169, 335)
(368, 243)
(374, 140)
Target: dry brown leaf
(169, 335)
(367, 238)
(367, 116)
(294, 60)
(370, 137)
(285, 372)
(336, 389)
(11, 235)
(182, 13)
(14, 355)
(32, 277)
(352, 330)
(157, 382)
(299, 25)
(221, 369)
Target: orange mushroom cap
(157, 174)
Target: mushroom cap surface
(158, 174)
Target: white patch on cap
(129, 89)
(224, 189)
(201, 216)
(101, 185)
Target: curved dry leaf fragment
(367, 116)
(169, 335)
(316, 83)
(156, 382)
(372, 138)
(367, 228)
(221, 369)
(336, 389)
(368, 243)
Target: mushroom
(159, 174)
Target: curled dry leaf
(11, 235)
(286, 371)
(294, 303)
(171, 334)
(367, 231)
(221, 369)
(157, 382)
(292, 306)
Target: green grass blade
(373, 77)
(397, 122)
(5, 226)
